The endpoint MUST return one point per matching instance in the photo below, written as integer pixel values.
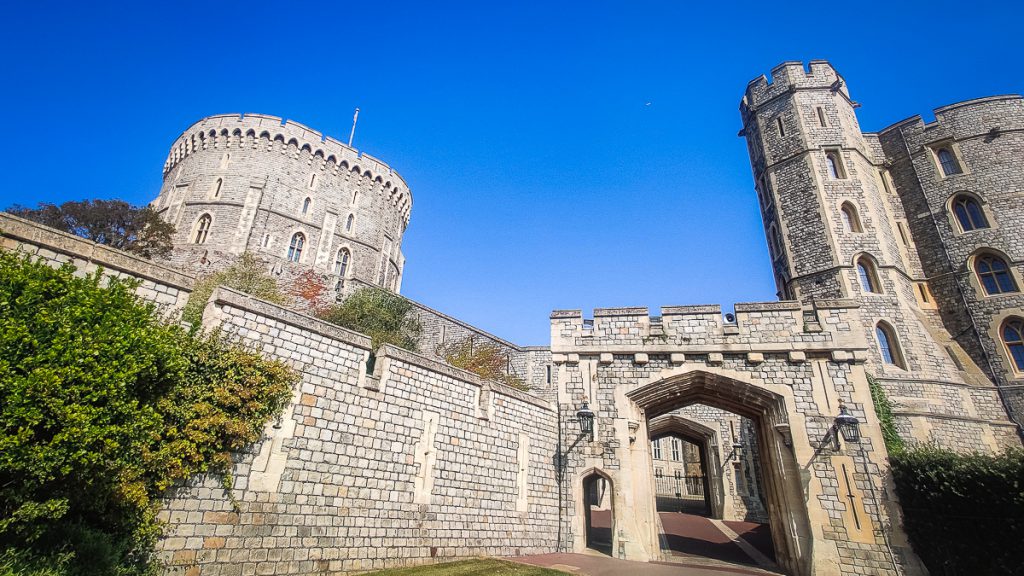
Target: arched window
(348, 223)
(305, 206)
(295, 248)
(994, 275)
(851, 221)
(217, 186)
(1013, 338)
(868, 277)
(225, 159)
(948, 161)
(968, 213)
(203, 228)
(835, 166)
(888, 345)
(341, 262)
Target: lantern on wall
(847, 425)
(586, 419)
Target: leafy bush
(385, 317)
(248, 275)
(116, 223)
(485, 359)
(963, 513)
(102, 407)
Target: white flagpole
(353, 133)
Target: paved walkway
(600, 565)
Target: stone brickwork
(839, 204)
(781, 366)
(261, 180)
(166, 287)
(416, 462)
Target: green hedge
(102, 407)
(963, 513)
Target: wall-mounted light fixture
(847, 425)
(586, 418)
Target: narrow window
(305, 206)
(782, 129)
(312, 180)
(217, 186)
(225, 159)
(968, 213)
(341, 262)
(295, 248)
(888, 345)
(675, 449)
(656, 444)
(948, 161)
(355, 197)
(1013, 339)
(348, 223)
(659, 473)
(924, 292)
(821, 118)
(203, 228)
(868, 278)
(851, 221)
(548, 373)
(903, 232)
(266, 240)
(994, 275)
(835, 167)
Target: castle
(895, 255)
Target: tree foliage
(248, 274)
(963, 513)
(115, 223)
(485, 359)
(385, 317)
(102, 407)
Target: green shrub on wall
(963, 513)
(385, 317)
(248, 274)
(102, 407)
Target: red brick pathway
(600, 565)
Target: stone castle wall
(252, 176)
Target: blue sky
(561, 155)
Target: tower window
(312, 181)
(968, 213)
(994, 275)
(868, 277)
(348, 223)
(851, 221)
(295, 248)
(341, 262)
(782, 129)
(888, 345)
(203, 228)
(1013, 339)
(821, 118)
(217, 186)
(835, 166)
(305, 206)
(948, 161)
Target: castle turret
(298, 199)
(837, 228)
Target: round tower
(280, 190)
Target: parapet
(788, 77)
(755, 326)
(989, 115)
(331, 153)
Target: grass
(483, 567)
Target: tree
(385, 317)
(248, 274)
(102, 407)
(485, 359)
(114, 223)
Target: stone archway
(707, 442)
(768, 407)
(598, 511)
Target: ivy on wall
(102, 408)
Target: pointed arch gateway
(768, 406)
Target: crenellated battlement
(264, 132)
(991, 116)
(791, 76)
(756, 327)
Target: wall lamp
(586, 419)
(847, 425)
